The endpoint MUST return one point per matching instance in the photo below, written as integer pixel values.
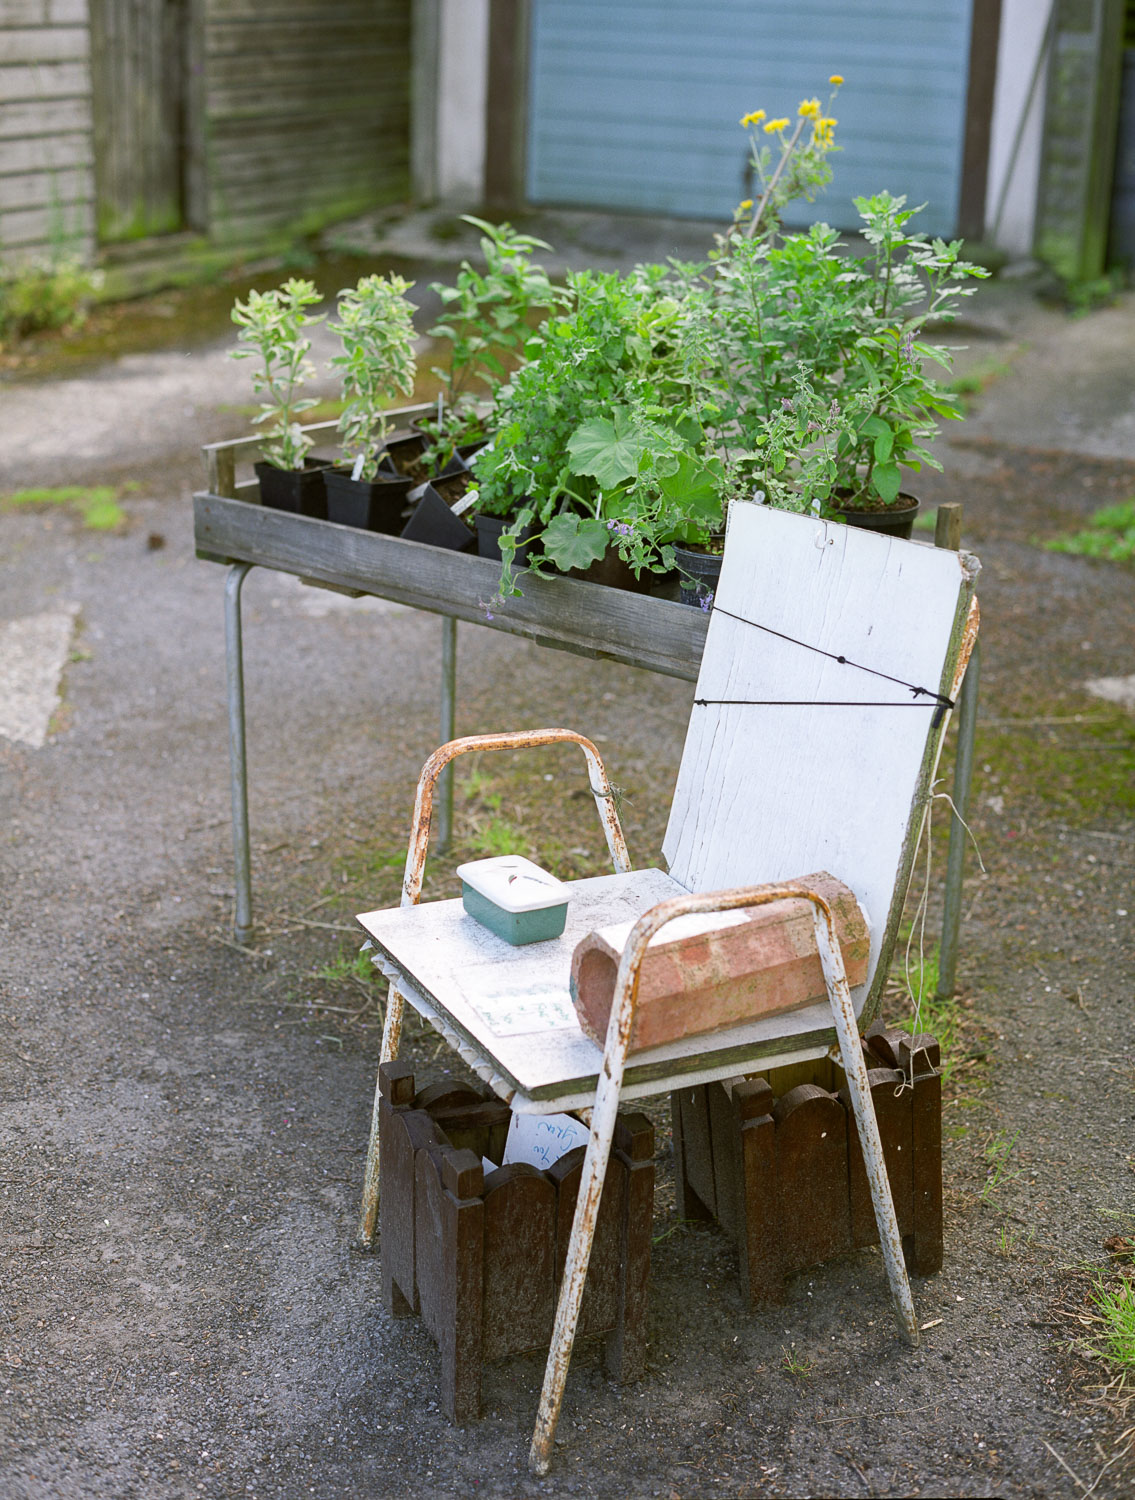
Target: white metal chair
(833, 658)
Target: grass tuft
(97, 504)
(1115, 1306)
(1109, 535)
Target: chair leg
(391, 1036)
(575, 1267)
(851, 1052)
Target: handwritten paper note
(541, 1140)
(517, 1009)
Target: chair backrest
(808, 748)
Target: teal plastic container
(514, 898)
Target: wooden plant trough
(701, 974)
(776, 1160)
(480, 1255)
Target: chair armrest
(526, 739)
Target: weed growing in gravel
(1115, 1306)
(798, 1366)
(998, 1150)
(1110, 534)
(347, 967)
(96, 504)
(1006, 1243)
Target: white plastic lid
(513, 883)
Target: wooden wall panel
(307, 109)
(46, 155)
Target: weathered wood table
(232, 528)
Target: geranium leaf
(574, 541)
(607, 450)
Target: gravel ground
(181, 1313)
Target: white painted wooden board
(508, 1011)
(767, 792)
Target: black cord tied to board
(940, 701)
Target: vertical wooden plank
(518, 1298)
(506, 104)
(625, 1352)
(1078, 152)
(449, 1238)
(725, 1150)
(599, 1309)
(811, 1164)
(759, 1241)
(396, 1204)
(985, 32)
(926, 1132)
(687, 1204)
(893, 1113)
(697, 1152)
(139, 65)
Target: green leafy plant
(376, 330)
(272, 328)
(1110, 535)
(998, 1150)
(51, 293)
(1115, 1306)
(486, 319)
(595, 444)
(890, 405)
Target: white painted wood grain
(767, 793)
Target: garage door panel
(636, 106)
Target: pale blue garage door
(634, 104)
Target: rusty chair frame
(605, 1110)
(531, 739)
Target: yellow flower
(753, 119)
(809, 109)
(775, 125)
(836, 78)
(744, 205)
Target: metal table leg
(238, 764)
(448, 730)
(955, 862)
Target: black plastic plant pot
(896, 520)
(489, 530)
(433, 523)
(698, 573)
(370, 504)
(613, 572)
(301, 491)
(405, 447)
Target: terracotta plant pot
(300, 491)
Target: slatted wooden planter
(776, 1160)
(480, 1256)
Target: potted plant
(589, 438)
(376, 330)
(486, 318)
(272, 327)
(890, 404)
